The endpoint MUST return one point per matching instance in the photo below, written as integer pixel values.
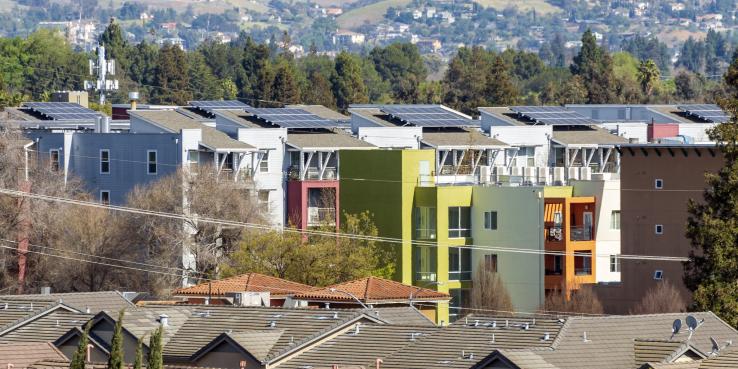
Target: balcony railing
(555, 233)
(460, 275)
(583, 271)
(581, 234)
(425, 234)
(426, 276)
(321, 216)
(330, 173)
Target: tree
(688, 86)
(401, 65)
(79, 359)
(648, 76)
(662, 299)
(286, 88)
(315, 260)
(171, 77)
(500, 89)
(116, 46)
(203, 83)
(318, 90)
(348, 85)
(115, 360)
(139, 357)
(156, 360)
(712, 272)
(488, 291)
(594, 65)
(580, 299)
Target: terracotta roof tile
(373, 289)
(249, 282)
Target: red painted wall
(661, 130)
(297, 201)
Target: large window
(425, 263)
(104, 161)
(459, 264)
(54, 159)
(615, 219)
(490, 220)
(151, 158)
(425, 223)
(264, 163)
(459, 222)
(459, 300)
(583, 263)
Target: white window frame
(264, 163)
(658, 183)
(658, 229)
(614, 264)
(101, 197)
(658, 274)
(615, 220)
(107, 161)
(155, 162)
(55, 164)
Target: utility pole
(102, 68)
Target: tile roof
(96, 301)
(258, 343)
(326, 140)
(15, 311)
(177, 120)
(405, 315)
(591, 136)
(727, 358)
(64, 364)
(141, 322)
(522, 359)
(460, 138)
(22, 355)
(249, 282)
(649, 350)
(610, 339)
(361, 350)
(373, 290)
(45, 328)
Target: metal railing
(580, 234)
(425, 233)
(460, 275)
(330, 173)
(320, 216)
(554, 233)
(426, 276)
(583, 271)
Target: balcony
(321, 216)
(426, 276)
(581, 234)
(583, 271)
(554, 234)
(425, 234)
(312, 173)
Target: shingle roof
(610, 339)
(405, 315)
(257, 342)
(21, 355)
(323, 140)
(176, 120)
(238, 116)
(654, 351)
(45, 328)
(96, 301)
(14, 311)
(249, 282)
(362, 349)
(523, 359)
(373, 289)
(592, 136)
(462, 139)
(142, 322)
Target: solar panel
(708, 112)
(553, 115)
(427, 116)
(293, 118)
(62, 110)
(210, 105)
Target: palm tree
(648, 76)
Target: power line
(262, 227)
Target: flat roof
(325, 140)
(460, 139)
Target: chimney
(46, 290)
(164, 320)
(133, 96)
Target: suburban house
(250, 289)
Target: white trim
(101, 161)
(658, 183)
(148, 162)
(101, 198)
(658, 229)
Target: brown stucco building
(657, 181)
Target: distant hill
(541, 6)
(371, 13)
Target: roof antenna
(693, 324)
(715, 347)
(335, 315)
(546, 337)
(675, 327)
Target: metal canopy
(210, 105)
(293, 118)
(707, 112)
(553, 115)
(62, 110)
(428, 116)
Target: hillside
(540, 6)
(371, 13)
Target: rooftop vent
(164, 320)
(546, 337)
(273, 324)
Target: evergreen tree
(594, 65)
(80, 356)
(318, 90)
(171, 77)
(401, 65)
(285, 87)
(156, 361)
(712, 227)
(116, 46)
(348, 86)
(139, 358)
(203, 83)
(500, 88)
(115, 361)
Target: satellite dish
(676, 326)
(691, 322)
(715, 346)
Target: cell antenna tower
(102, 68)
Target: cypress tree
(80, 356)
(156, 360)
(348, 85)
(138, 361)
(115, 361)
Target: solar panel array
(210, 105)
(292, 118)
(553, 115)
(708, 112)
(62, 110)
(427, 116)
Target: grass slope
(541, 6)
(371, 13)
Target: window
(614, 264)
(615, 219)
(490, 263)
(295, 158)
(54, 159)
(151, 161)
(193, 157)
(459, 222)
(659, 229)
(490, 220)
(558, 219)
(554, 264)
(459, 264)
(658, 184)
(459, 301)
(263, 199)
(425, 263)
(105, 197)
(583, 263)
(658, 274)
(104, 161)
(425, 223)
(264, 163)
